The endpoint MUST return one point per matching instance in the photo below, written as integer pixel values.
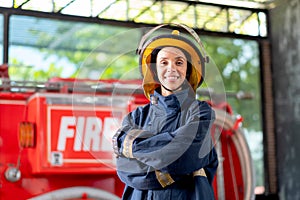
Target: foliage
(21, 72)
(238, 63)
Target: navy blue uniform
(165, 149)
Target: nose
(171, 67)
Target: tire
(77, 193)
(232, 142)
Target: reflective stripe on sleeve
(128, 142)
(164, 179)
(199, 172)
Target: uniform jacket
(165, 149)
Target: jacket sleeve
(182, 151)
(130, 170)
(131, 123)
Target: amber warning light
(26, 134)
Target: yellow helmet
(146, 48)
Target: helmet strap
(175, 90)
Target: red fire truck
(55, 140)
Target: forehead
(170, 52)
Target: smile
(171, 77)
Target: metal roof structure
(237, 17)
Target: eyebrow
(175, 57)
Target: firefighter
(164, 149)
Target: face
(171, 66)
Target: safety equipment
(194, 49)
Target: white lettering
(65, 132)
(79, 134)
(86, 133)
(92, 134)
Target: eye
(163, 62)
(179, 62)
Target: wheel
(235, 175)
(79, 192)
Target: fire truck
(55, 140)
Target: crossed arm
(177, 152)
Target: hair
(154, 57)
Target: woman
(164, 149)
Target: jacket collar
(173, 102)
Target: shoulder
(137, 116)
(139, 111)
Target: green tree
(238, 63)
